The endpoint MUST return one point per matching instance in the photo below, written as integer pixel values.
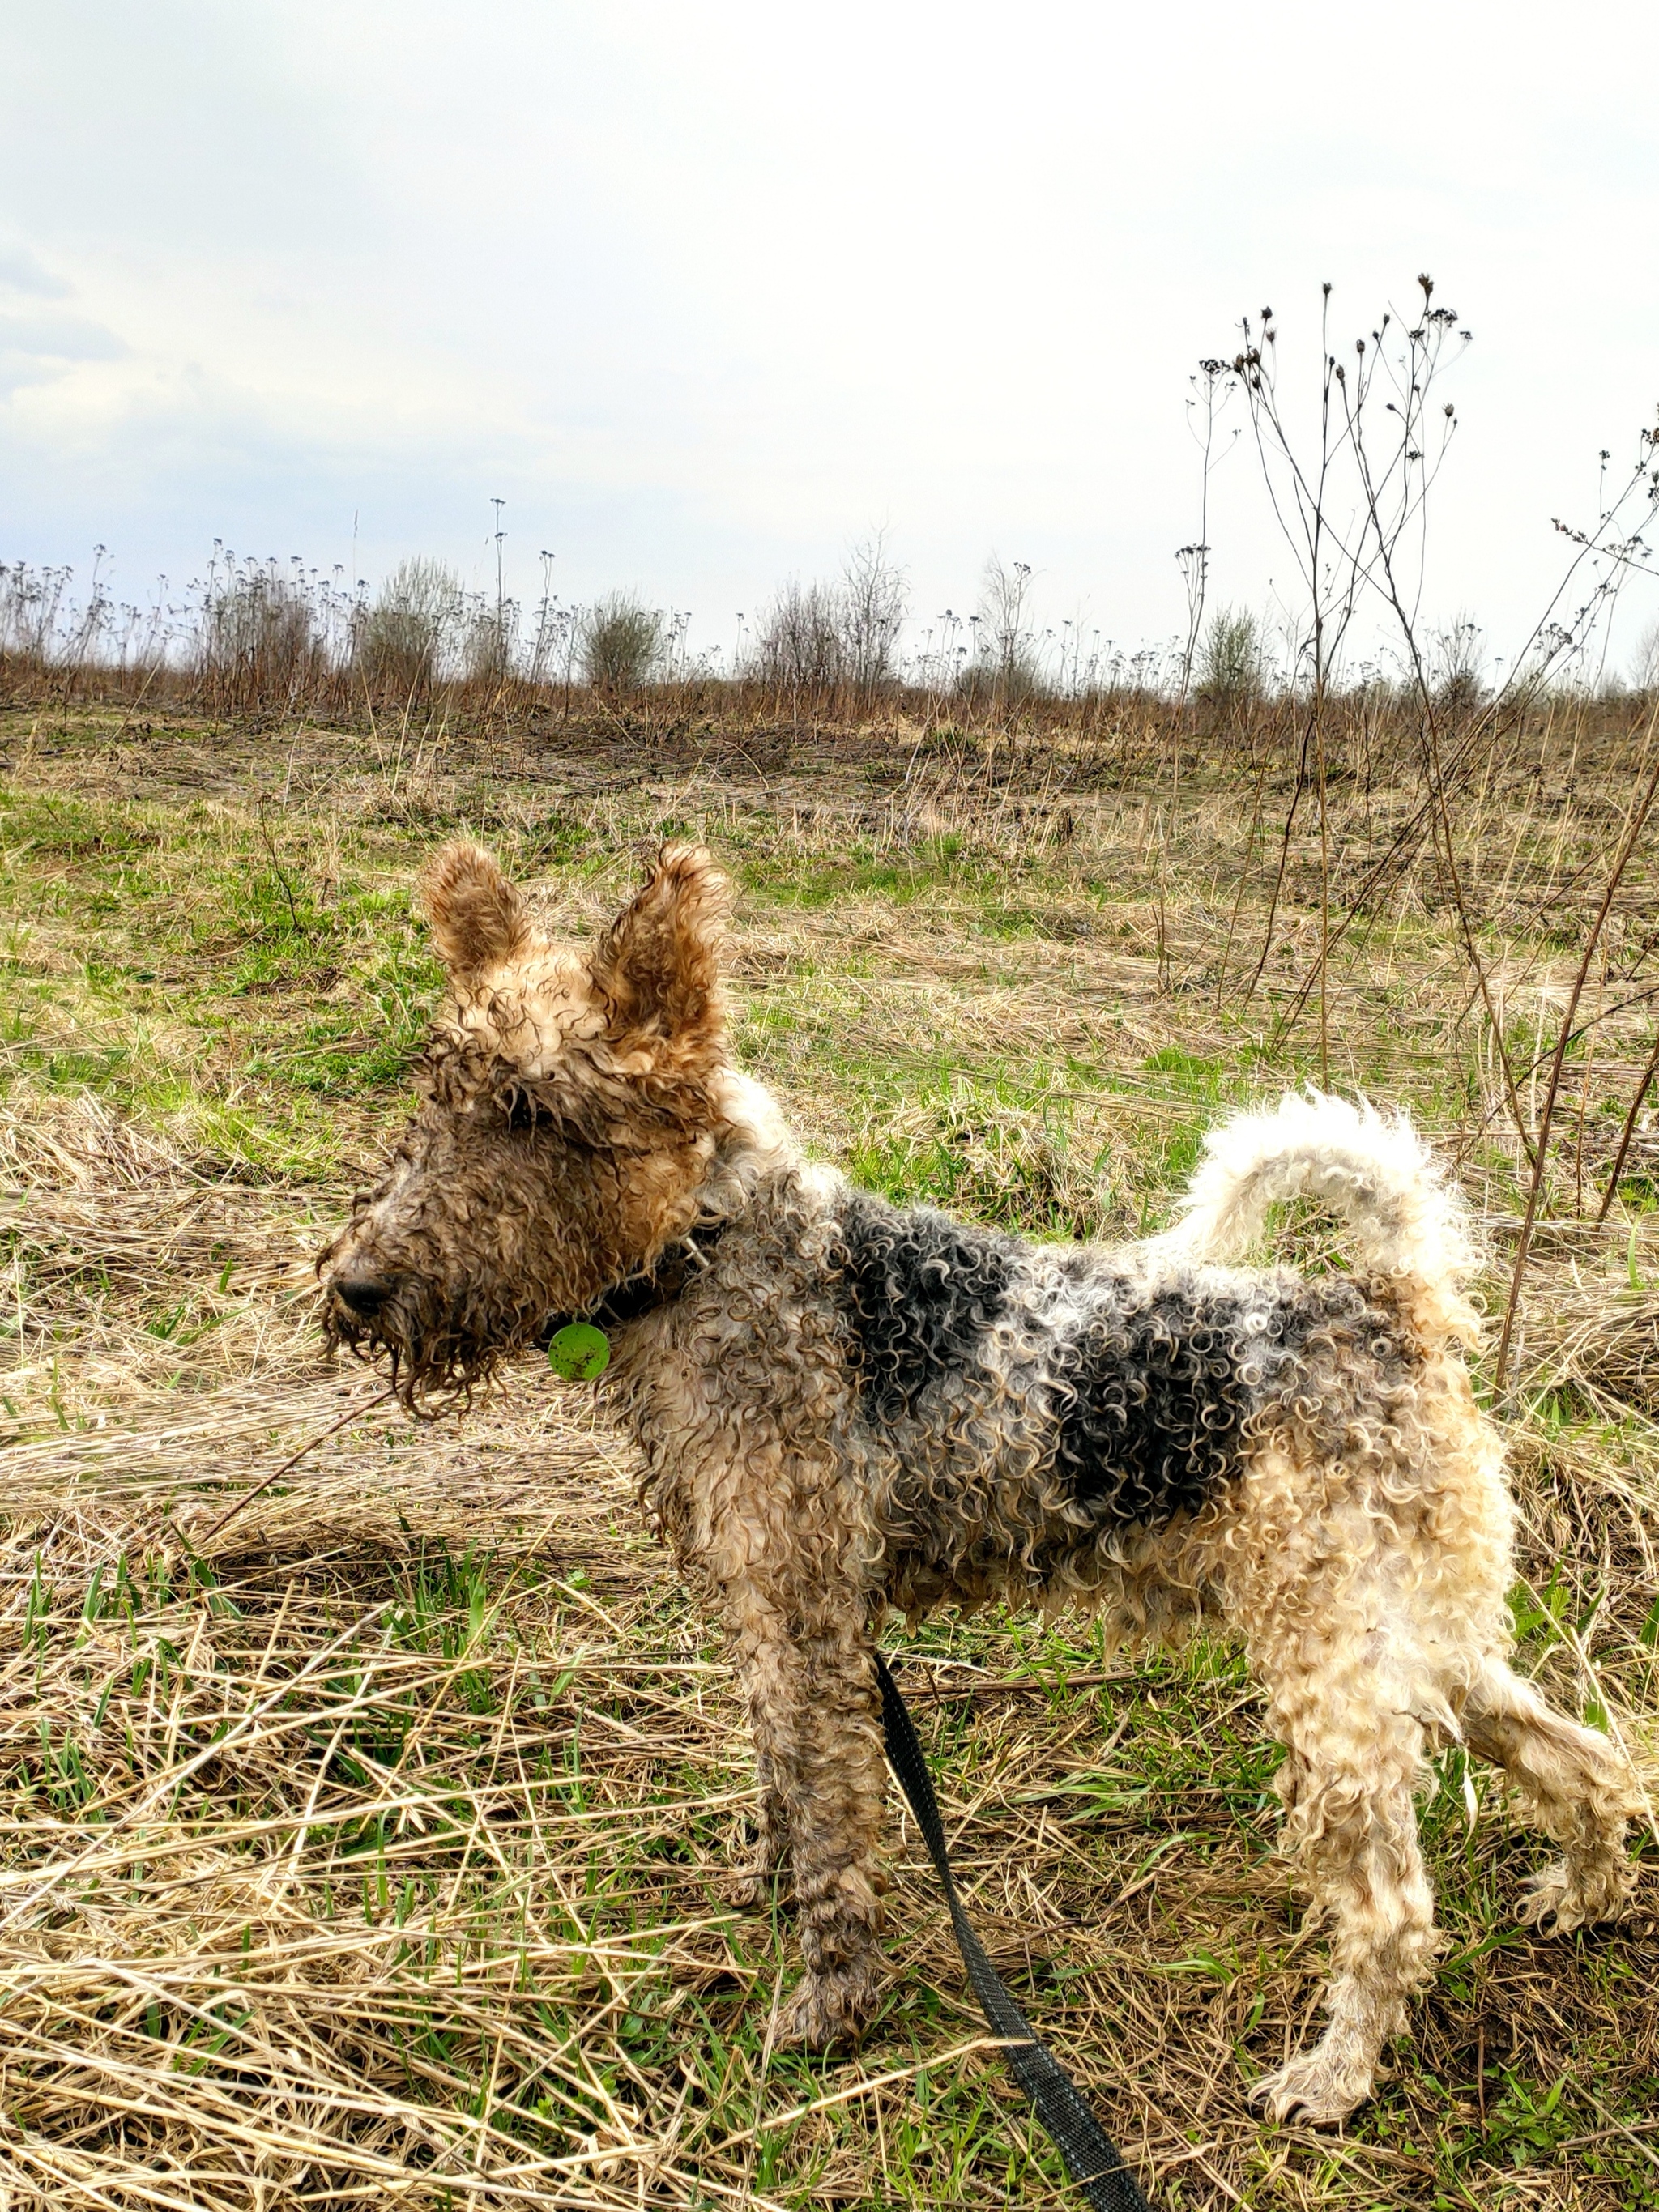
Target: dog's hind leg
(814, 1708)
(1571, 1785)
(1355, 1757)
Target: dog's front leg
(836, 1790)
(813, 1706)
(768, 1669)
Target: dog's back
(1037, 1417)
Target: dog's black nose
(364, 1294)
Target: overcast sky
(704, 293)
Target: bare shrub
(489, 642)
(869, 614)
(1644, 664)
(798, 646)
(405, 637)
(32, 603)
(841, 637)
(621, 643)
(1005, 668)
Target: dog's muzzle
(371, 1313)
(433, 1347)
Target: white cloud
(21, 271)
(35, 349)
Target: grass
(363, 1838)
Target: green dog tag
(580, 1352)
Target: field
(362, 1831)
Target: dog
(847, 1408)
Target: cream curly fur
(1404, 1222)
(845, 1408)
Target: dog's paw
(1319, 2089)
(746, 1879)
(1566, 1896)
(825, 2011)
(745, 1889)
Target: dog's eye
(520, 1111)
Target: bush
(405, 638)
(621, 643)
(1232, 661)
(489, 644)
(1644, 667)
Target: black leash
(1092, 2160)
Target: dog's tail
(1404, 1224)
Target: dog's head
(569, 1114)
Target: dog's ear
(478, 921)
(658, 966)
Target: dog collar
(578, 1345)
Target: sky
(705, 295)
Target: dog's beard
(438, 1345)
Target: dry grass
(362, 1842)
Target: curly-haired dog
(845, 1408)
